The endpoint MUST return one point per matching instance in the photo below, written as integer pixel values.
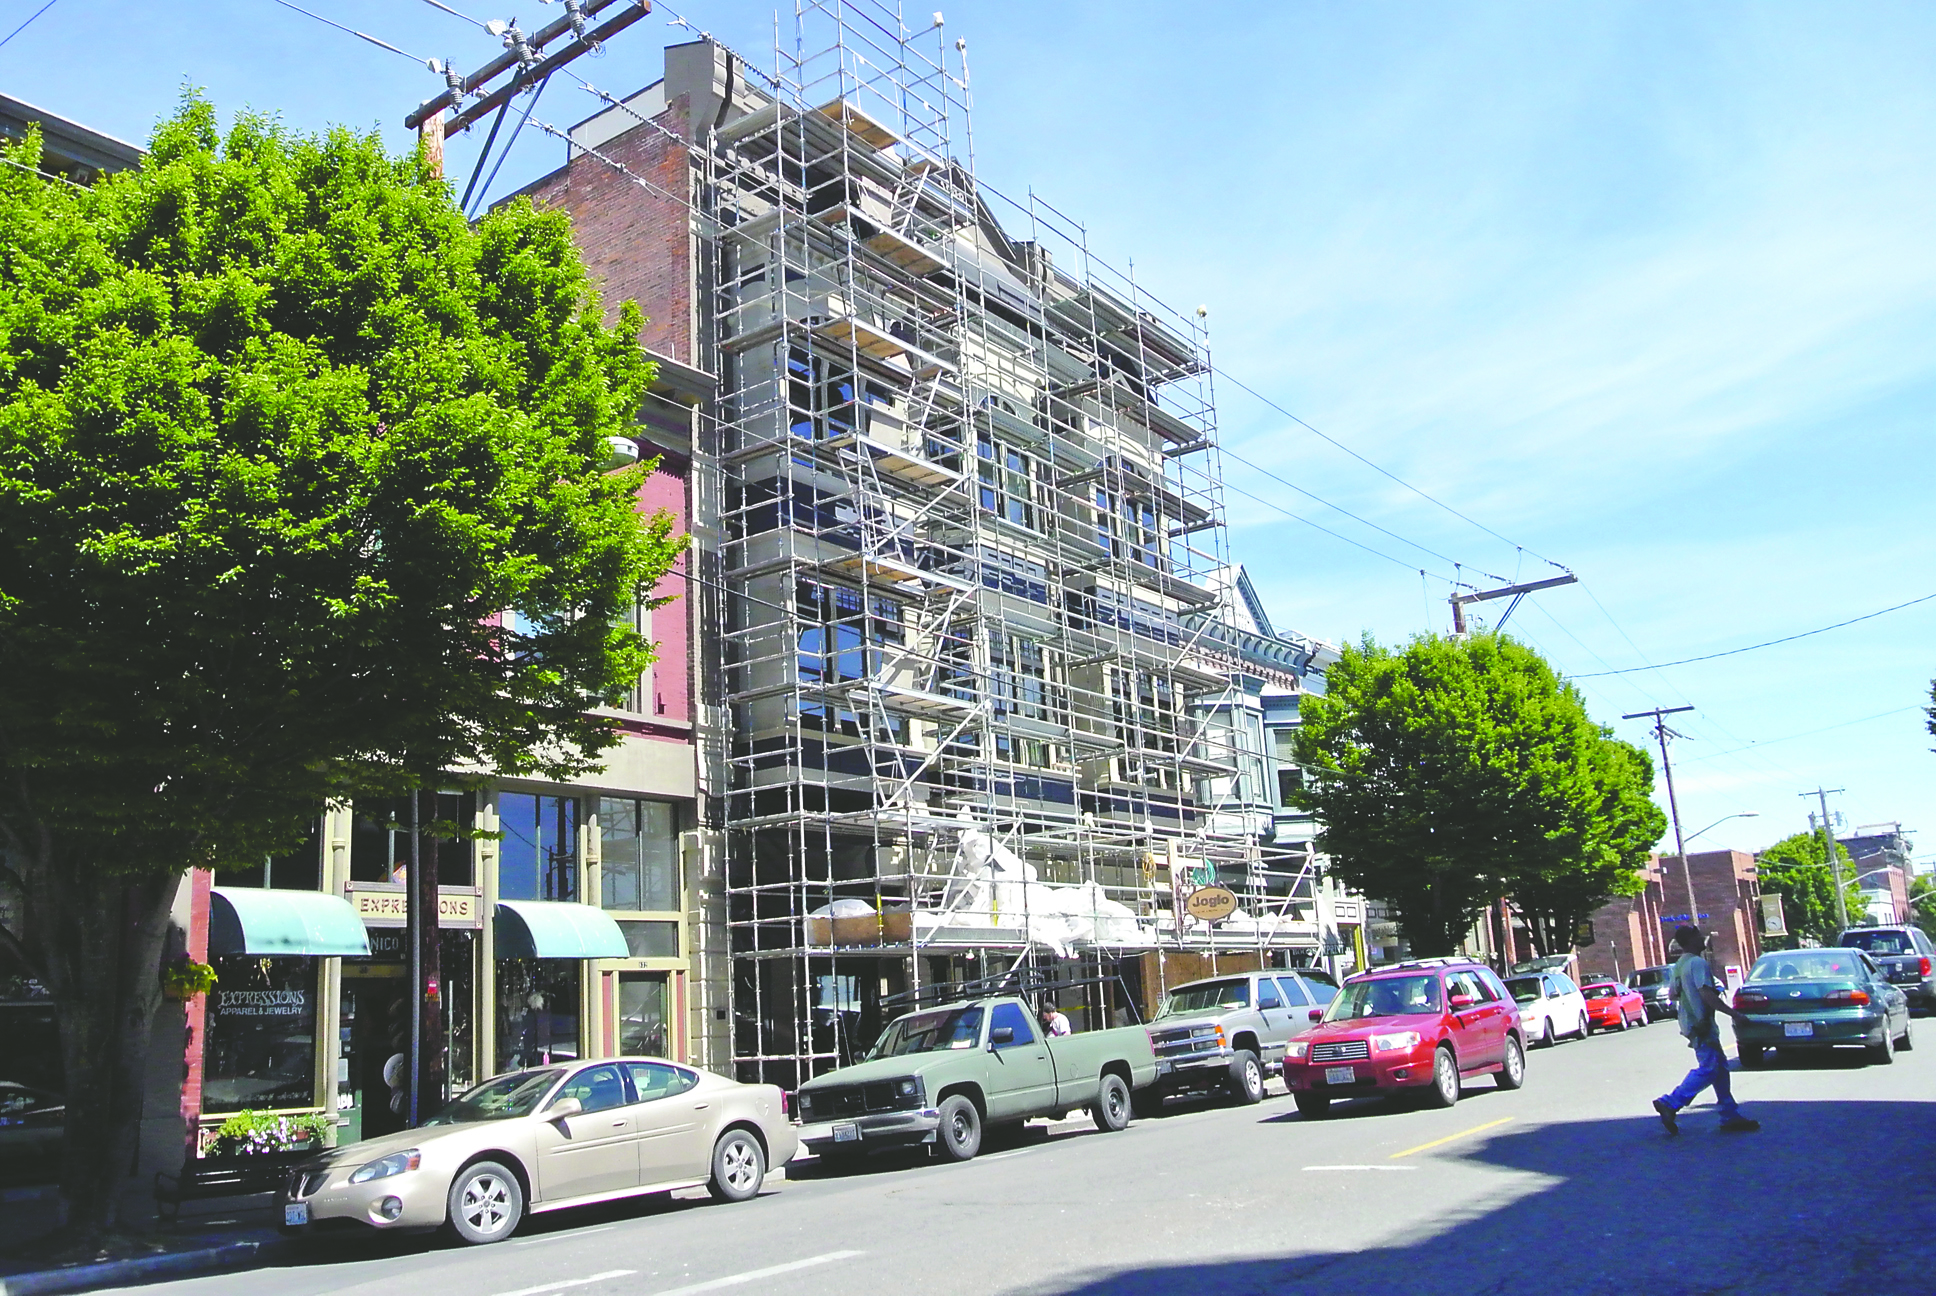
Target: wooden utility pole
(1834, 860)
(1514, 592)
(1673, 806)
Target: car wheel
(1246, 1077)
(485, 1203)
(1884, 1053)
(739, 1167)
(1444, 1089)
(1512, 1073)
(959, 1137)
(1548, 1040)
(1905, 1043)
(1312, 1106)
(1147, 1102)
(1586, 1028)
(1111, 1112)
(1753, 1056)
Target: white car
(1550, 1006)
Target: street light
(1745, 814)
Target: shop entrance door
(375, 1032)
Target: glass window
(1294, 996)
(299, 869)
(1386, 997)
(1320, 992)
(1464, 983)
(1878, 942)
(1267, 994)
(260, 1041)
(642, 1028)
(639, 854)
(651, 939)
(538, 856)
(1208, 996)
(597, 1088)
(654, 1080)
(504, 1098)
(929, 1032)
(1011, 1016)
(537, 1012)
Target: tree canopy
(281, 438)
(1796, 868)
(1449, 773)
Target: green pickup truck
(941, 1075)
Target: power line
(1315, 526)
(475, 22)
(23, 26)
(430, 63)
(1769, 643)
(1807, 733)
(1378, 468)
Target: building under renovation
(964, 659)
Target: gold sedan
(545, 1139)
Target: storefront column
(329, 973)
(486, 864)
(591, 985)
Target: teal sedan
(1817, 999)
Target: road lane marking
(1450, 1137)
(755, 1275)
(564, 1233)
(1361, 1167)
(570, 1282)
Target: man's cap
(1689, 937)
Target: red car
(1613, 1005)
(1423, 1025)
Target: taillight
(1847, 996)
(786, 1103)
(1750, 999)
(1924, 969)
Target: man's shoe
(1740, 1125)
(1667, 1116)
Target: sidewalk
(217, 1239)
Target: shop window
(651, 939)
(639, 854)
(260, 1040)
(642, 1020)
(380, 839)
(537, 1012)
(538, 856)
(300, 869)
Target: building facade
(1879, 856)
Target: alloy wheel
(486, 1203)
(740, 1164)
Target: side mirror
(562, 1108)
(1001, 1035)
(1317, 1014)
(1461, 1001)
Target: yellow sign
(1211, 903)
(380, 905)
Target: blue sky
(1649, 289)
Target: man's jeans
(1710, 1068)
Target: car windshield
(1806, 965)
(1879, 942)
(1649, 977)
(1524, 989)
(1599, 992)
(1208, 997)
(931, 1032)
(505, 1097)
(1385, 997)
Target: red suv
(1425, 1025)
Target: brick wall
(1726, 889)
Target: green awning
(556, 929)
(249, 920)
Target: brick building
(1637, 931)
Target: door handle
(701, 1106)
(618, 1124)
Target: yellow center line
(1450, 1137)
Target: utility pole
(1673, 807)
(526, 59)
(1514, 592)
(1834, 860)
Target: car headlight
(1297, 1050)
(910, 1088)
(394, 1164)
(1395, 1042)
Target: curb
(120, 1272)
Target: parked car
(1550, 1006)
(1656, 987)
(1906, 956)
(1421, 1026)
(940, 1075)
(1819, 998)
(31, 1124)
(1613, 1005)
(548, 1138)
(1225, 1034)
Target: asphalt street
(1569, 1185)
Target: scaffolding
(970, 541)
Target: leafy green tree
(280, 438)
(1451, 772)
(1922, 901)
(1796, 868)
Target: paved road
(1568, 1185)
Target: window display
(639, 849)
(260, 1045)
(537, 1012)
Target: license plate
(846, 1132)
(294, 1213)
(1795, 1029)
(1340, 1075)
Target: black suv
(1656, 986)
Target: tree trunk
(428, 1096)
(98, 939)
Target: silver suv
(1225, 1034)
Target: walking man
(1700, 1000)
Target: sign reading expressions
(384, 905)
(1211, 903)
